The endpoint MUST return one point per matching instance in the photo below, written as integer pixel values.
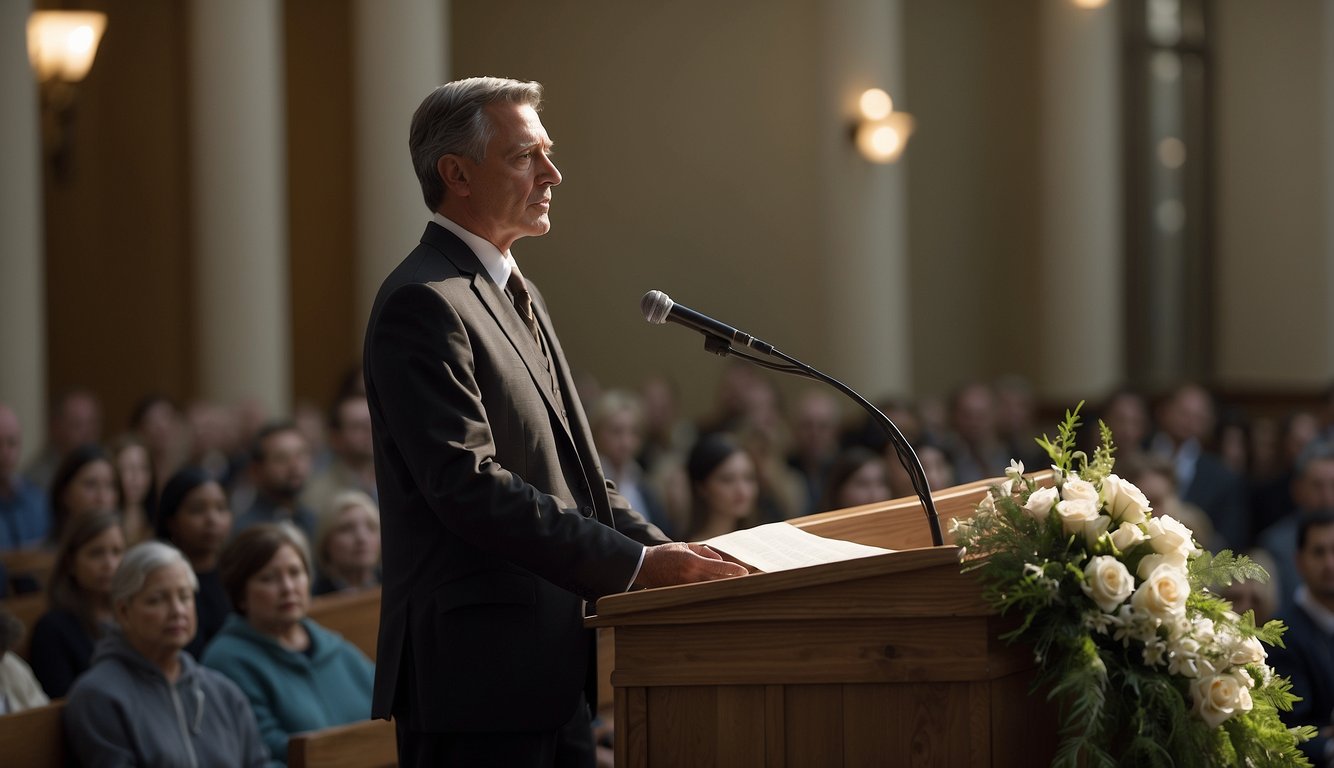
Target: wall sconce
(881, 133)
(61, 48)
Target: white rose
(1107, 582)
(1163, 594)
(1126, 536)
(1077, 488)
(1040, 502)
(1151, 563)
(1168, 536)
(1125, 502)
(1081, 516)
(1218, 697)
(1247, 651)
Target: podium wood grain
(882, 661)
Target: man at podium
(497, 520)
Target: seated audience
(617, 421)
(145, 702)
(80, 599)
(935, 465)
(24, 520)
(85, 482)
(157, 422)
(19, 689)
(1272, 498)
(1186, 421)
(1312, 492)
(1258, 596)
(723, 487)
(975, 446)
(347, 548)
(138, 487)
(858, 476)
(194, 517)
(75, 419)
(352, 463)
(279, 467)
(1157, 478)
(816, 423)
(297, 675)
(1308, 658)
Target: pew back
(34, 738)
(364, 744)
(354, 615)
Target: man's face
(286, 465)
(508, 194)
(1314, 488)
(1315, 562)
(353, 440)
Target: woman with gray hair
(146, 702)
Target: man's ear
(456, 175)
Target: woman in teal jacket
(298, 675)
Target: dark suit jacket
(1308, 661)
(496, 518)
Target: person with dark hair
(279, 467)
(75, 419)
(195, 518)
(497, 518)
(297, 675)
(80, 599)
(19, 689)
(353, 465)
(84, 482)
(156, 421)
(137, 487)
(723, 487)
(1312, 492)
(858, 476)
(24, 516)
(1186, 419)
(1307, 655)
(146, 703)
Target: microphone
(658, 308)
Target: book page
(782, 547)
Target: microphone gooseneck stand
(907, 456)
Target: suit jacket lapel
(500, 307)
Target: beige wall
(686, 139)
(690, 141)
(1275, 300)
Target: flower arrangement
(1149, 666)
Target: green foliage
(1124, 679)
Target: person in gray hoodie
(145, 702)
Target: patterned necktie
(523, 303)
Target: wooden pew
(364, 744)
(33, 738)
(35, 564)
(354, 615)
(28, 609)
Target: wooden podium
(890, 660)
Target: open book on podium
(879, 653)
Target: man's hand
(680, 563)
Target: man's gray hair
(139, 563)
(451, 121)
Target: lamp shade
(62, 44)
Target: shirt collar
(1321, 615)
(498, 265)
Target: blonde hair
(340, 502)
